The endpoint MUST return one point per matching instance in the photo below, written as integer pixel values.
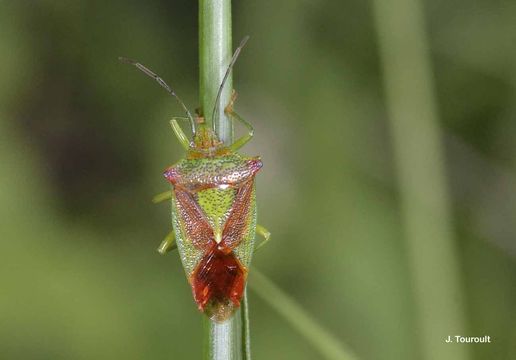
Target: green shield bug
(213, 200)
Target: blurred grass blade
(327, 344)
(419, 158)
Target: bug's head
(205, 139)
(205, 142)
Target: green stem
(417, 143)
(223, 341)
(215, 54)
(229, 340)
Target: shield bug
(213, 200)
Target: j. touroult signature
(468, 339)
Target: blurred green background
(84, 140)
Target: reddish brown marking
(218, 280)
(195, 223)
(218, 277)
(237, 223)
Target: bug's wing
(237, 223)
(193, 220)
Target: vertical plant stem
(222, 341)
(416, 135)
(215, 53)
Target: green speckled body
(214, 221)
(216, 204)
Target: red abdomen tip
(218, 284)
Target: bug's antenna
(162, 82)
(226, 75)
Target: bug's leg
(168, 244)
(180, 134)
(167, 195)
(235, 117)
(263, 232)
